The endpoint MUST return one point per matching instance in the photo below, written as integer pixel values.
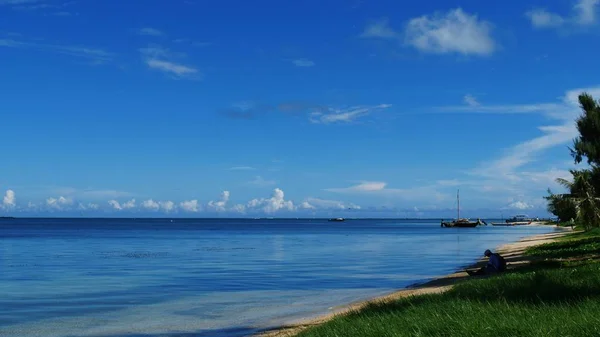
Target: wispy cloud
(242, 168)
(261, 182)
(507, 172)
(150, 32)
(95, 54)
(380, 29)
(583, 13)
(541, 18)
(470, 100)
(179, 70)
(303, 63)
(379, 188)
(331, 115)
(162, 59)
(316, 203)
(38, 5)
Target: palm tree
(584, 196)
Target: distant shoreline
(541, 222)
(513, 250)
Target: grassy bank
(557, 294)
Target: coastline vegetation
(581, 203)
(556, 294)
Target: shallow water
(214, 277)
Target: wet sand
(513, 254)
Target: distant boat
(519, 219)
(337, 219)
(7, 218)
(461, 222)
(503, 224)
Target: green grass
(558, 295)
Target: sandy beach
(513, 253)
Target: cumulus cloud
(191, 206)
(115, 205)
(58, 203)
(452, 32)
(10, 199)
(273, 204)
(219, 206)
(150, 205)
(167, 206)
(238, 208)
(129, 204)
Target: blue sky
(290, 108)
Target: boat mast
(457, 205)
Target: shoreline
(512, 252)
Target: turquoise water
(161, 277)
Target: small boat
(337, 219)
(520, 219)
(461, 222)
(503, 224)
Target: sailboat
(464, 222)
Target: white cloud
(378, 188)
(379, 29)
(150, 31)
(167, 206)
(271, 205)
(178, 70)
(331, 115)
(470, 100)
(58, 203)
(17, 2)
(129, 204)
(88, 206)
(303, 63)
(553, 135)
(10, 199)
(583, 13)
(316, 203)
(306, 205)
(190, 206)
(586, 11)
(96, 55)
(238, 208)
(150, 205)
(115, 204)
(219, 206)
(451, 32)
(520, 205)
(541, 18)
(261, 182)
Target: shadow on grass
(567, 249)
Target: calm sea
(162, 277)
